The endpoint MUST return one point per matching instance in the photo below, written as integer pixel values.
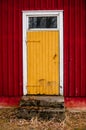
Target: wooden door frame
(25, 15)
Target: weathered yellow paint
(43, 62)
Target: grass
(72, 121)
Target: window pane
(43, 22)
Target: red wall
(11, 79)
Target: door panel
(43, 62)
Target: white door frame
(26, 14)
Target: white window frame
(25, 15)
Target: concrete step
(41, 113)
(43, 101)
(43, 107)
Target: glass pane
(43, 22)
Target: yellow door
(43, 62)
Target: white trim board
(26, 14)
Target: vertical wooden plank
(60, 4)
(55, 4)
(49, 4)
(25, 5)
(77, 49)
(66, 47)
(20, 50)
(83, 47)
(72, 48)
(4, 49)
(16, 25)
(32, 4)
(1, 60)
(37, 4)
(44, 4)
(10, 48)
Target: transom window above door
(43, 22)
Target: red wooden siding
(11, 79)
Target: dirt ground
(73, 121)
